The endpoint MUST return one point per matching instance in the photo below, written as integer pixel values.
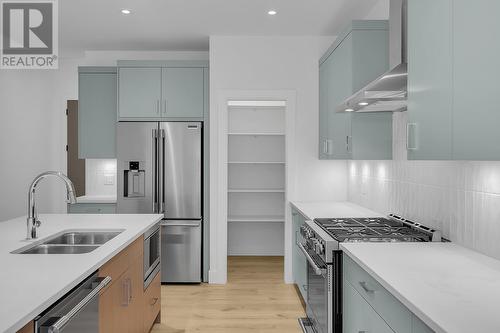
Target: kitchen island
(30, 283)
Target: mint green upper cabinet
(96, 112)
(339, 88)
(139, 92)
(452, 80)
(358, 56)
(162, 90)
(323, 111)
(182, 92)
(371, 137)
(476, 54)
(430, 79)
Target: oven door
(318, 292)
(318, 298)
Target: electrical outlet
(109, 179)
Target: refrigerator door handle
(161, 171)
(155, 170)
(193, 224)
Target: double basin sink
(71, 242)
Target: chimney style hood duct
(389, 91)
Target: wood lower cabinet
(124, 305)
(29, 328)
(152, 303)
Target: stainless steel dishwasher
(77, 311)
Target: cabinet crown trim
(163, 63)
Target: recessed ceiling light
(126, 11)
(363, 103)
(272, 12)
(349, 110)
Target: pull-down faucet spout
(32, 221)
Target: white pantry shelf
(257, 134)
(256, 190)
(255, 162)
(256, 219)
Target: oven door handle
(316, 268)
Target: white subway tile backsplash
(461, 198)
(100, 177)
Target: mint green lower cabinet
(97, 112)
(92, 208)
(366, 303)
(418, 326)
(299, 261)
(359, 316)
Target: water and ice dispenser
(134, 180)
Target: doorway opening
(256, 179)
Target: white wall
(28, 139)
(460, 198)
(33, 125)
(273, 63)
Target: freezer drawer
(181, 251)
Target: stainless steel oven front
(319, 292)
(324, 291)
(152, 254)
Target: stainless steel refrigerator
(160, 171)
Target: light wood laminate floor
(255, 299)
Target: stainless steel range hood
(387, 93)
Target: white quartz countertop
(104, 199)
(450, 288)
(330, 209)
(30, 283)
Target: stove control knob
(319, 248)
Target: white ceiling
(186, 24)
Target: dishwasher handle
(64, 320)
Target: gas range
(323, 236)
(319, 243)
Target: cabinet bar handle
(409, 135)
(365, 288)
(158, 106)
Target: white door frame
(218, 176)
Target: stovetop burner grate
(370, 230)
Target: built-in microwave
(152, 254)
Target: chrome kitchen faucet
(32, 221)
